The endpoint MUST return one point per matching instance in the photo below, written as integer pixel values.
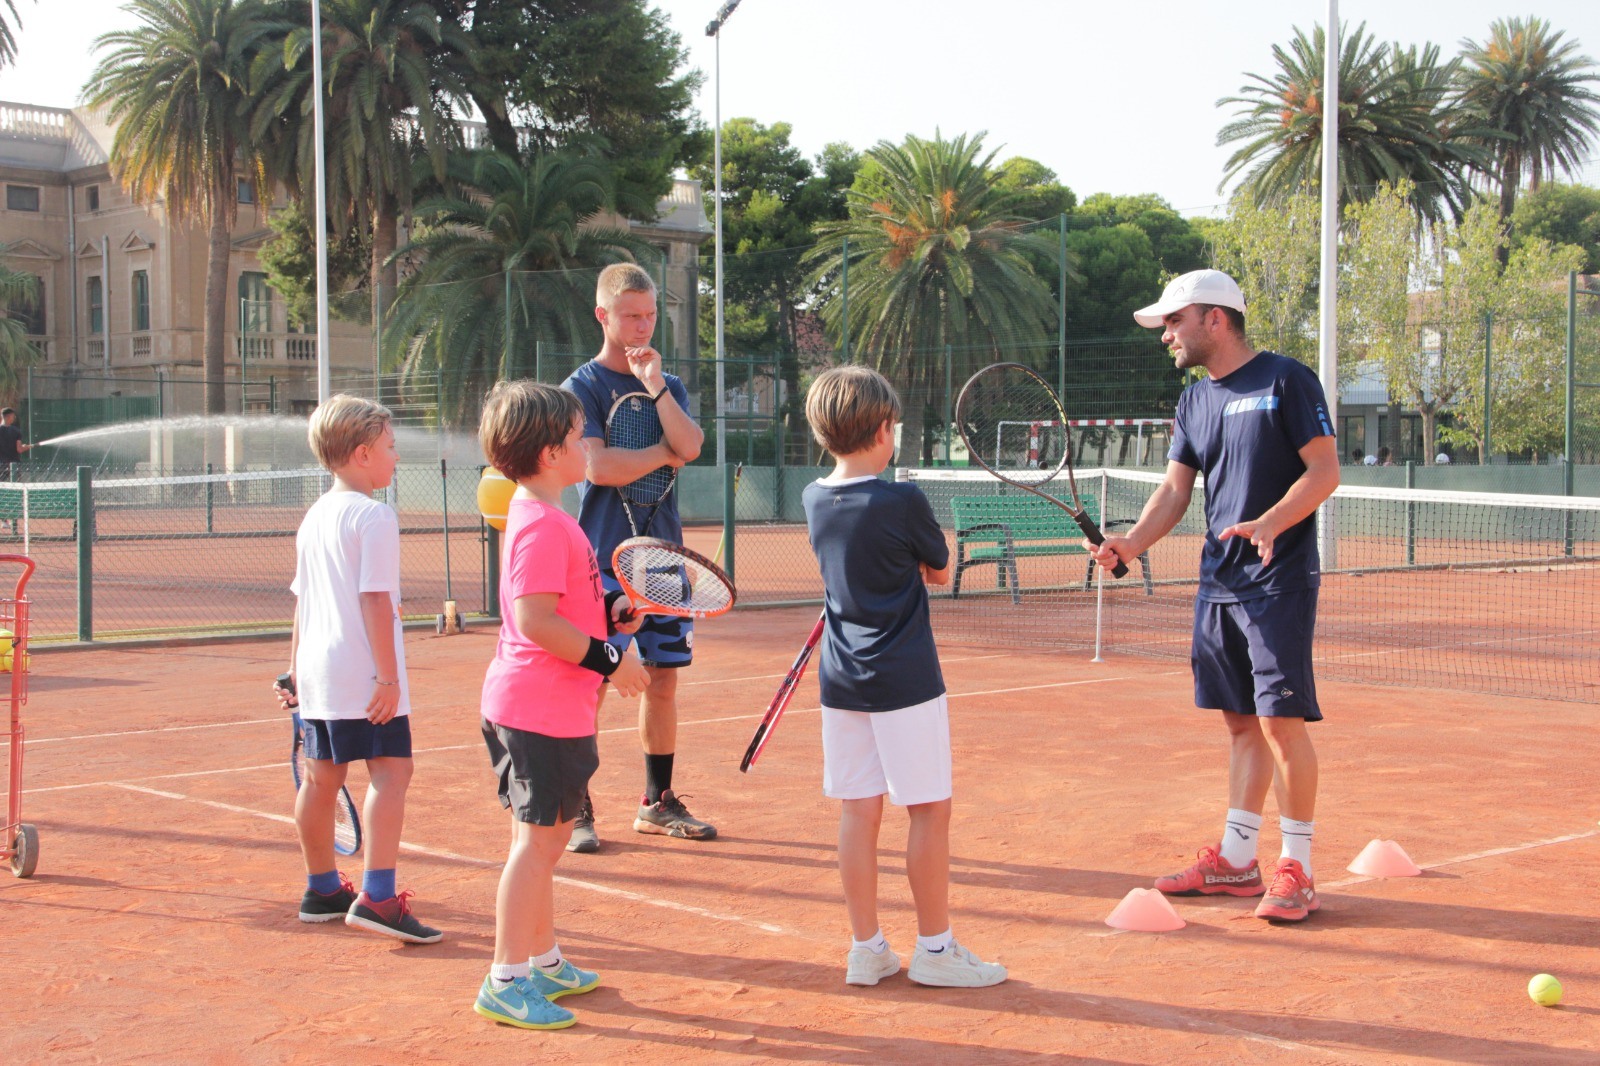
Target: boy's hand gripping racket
(346, 823)
(633, 424)
(780, 701)
(1014, 427)
(665, 578)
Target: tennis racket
(1014, 427)
(346, 823)
(665, 578)
(633, 424)
(780, 701)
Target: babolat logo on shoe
(1230, 879)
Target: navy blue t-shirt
(1244, 432)
(600, 512)
(870, 538)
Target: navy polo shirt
(871, 538)
(1244, 432)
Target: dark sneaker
(584, 840)
(392, 917)
(315, 907)
(1292, 897)
(1211, 875)
(668, 816)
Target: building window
(1354, 435)
(247, 194)
(22, 197)
(32, 315)
(255, 303)
(96, 306)
(141, 300)
(91, 197)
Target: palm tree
(19, 291)
(8, 34)
(1530, 87)
(394, 72)
(1394, 125)
(507, 256)
(175, 87)
(937, 258)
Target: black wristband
(657, 397)
(611, 600)
(601, 657)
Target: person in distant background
(1442, 459)
(1358, 457)
(1385, 457)
(11, 446)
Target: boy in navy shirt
(885, 725)
(1257, 426)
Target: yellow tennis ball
(494, 496)
(1544, 990)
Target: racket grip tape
(1092, 531)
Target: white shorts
(904, 753)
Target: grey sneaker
(954, 967)
(668, 816)
(584, 840)
(868, 967)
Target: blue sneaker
(520, 1004)
(567, 981)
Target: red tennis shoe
(1210, 876)
(1292, 896)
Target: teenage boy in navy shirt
(885, 725)
(1257, 426)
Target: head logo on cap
(1195, 287)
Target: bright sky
(1114, 97)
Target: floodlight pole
(714, 31)
(1328, 364)
(324, 377)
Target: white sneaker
(954, 967)
(868, 967)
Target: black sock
(657, 776)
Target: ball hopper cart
(19, 841)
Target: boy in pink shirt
(541, 691)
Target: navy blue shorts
(347, 740)
(1255, 657)
(665, 641)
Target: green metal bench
(1002, 529)
(42, 503)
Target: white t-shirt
(348, 544)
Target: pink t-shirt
(526, 687)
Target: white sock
(937, 943)
(503, 973)
(1296, 841)
(876, 942)
(1239, 838)
(549, 961)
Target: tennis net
(1486, 592)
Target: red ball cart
(19, 842)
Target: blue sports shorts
(1255, 657)
(665, 641)
(347, 740)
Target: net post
(1411, 514)
(444, 500)
(728, 526)
(210, 500)
(85, 532)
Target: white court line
(1473, 857)
(471, 860)
(156, 729)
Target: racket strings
(668, 579)
(1012, 423)
(634, 425)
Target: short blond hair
(847, 404)
(343, 423)
(520, 420)
(619, 278)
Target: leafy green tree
(606, 75)
(937, 257)
(1175, 243)
(1532, 90)
(508, 259)
(395, 73)
(1273, 252)
(8, 33)
(1560, 214)
(289, 259)
(1039, 194)
(1395, 124)
(1120, 272)
(19, 294)
(176, 89)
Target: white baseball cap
(1195, 287)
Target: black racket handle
(1092, 531)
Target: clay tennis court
(161, 925)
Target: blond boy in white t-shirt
(347, 662)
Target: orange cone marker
(1144, 910)
(1384, 858)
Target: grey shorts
(543, 780)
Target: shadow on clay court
(39, 681)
